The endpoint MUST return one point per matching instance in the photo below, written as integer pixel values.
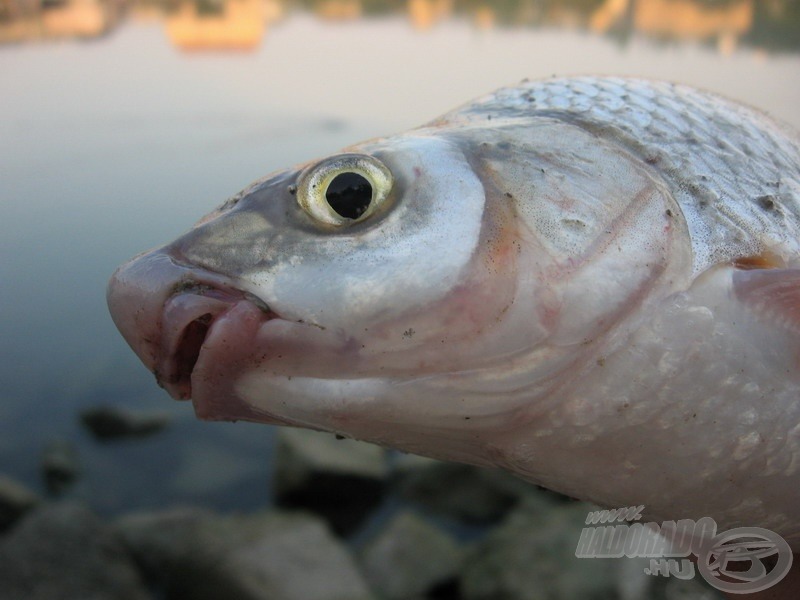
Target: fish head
(410, 291)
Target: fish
(590, 282)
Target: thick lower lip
(190, 320)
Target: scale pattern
(734, 171)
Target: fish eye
(349, 194)
(344, 189)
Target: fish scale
(698, 142)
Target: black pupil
(349, 194)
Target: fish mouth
(193, 317)
(196, 330)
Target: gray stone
(15, 501)
(339, 479)
(301, 453)
(60, 466)
(269, 556)
(409, 558)
(464, 492)
(112, 422)
(66, 552)
(531, 556)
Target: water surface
(121, 123)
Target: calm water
(122, 123)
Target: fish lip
(189, 316)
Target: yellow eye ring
(344, 189)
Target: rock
(269, 556)
(64, 551)
(15, 501)
(531, 556)
(111, 422)
(60, 466)
(409, 558)
(464, 492)
(341, 480)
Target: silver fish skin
(593, 283)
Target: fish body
(593, 283)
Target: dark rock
(65, 552)
(110, 422)
(410, 558)
(270, 556)
(531, 556)
(464, 492)
(15, 501)
(341, 480)
(60, 466)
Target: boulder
(190, 553)
(111, 422)
(342, 480)
(467, 493)
(60, 466)
(64, 551)
(15, 501)
(531, 556)
(409, 558)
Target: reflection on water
(242, 24)
(22, 20)
(219, 24)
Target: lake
(122, 123)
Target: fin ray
(772, 293)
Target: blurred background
(124, 121)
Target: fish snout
(164, 310)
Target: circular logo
(731, 561)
